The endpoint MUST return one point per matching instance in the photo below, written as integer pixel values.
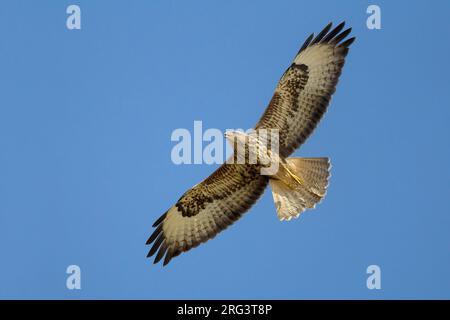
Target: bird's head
(238, 137)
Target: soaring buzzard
(300, 99)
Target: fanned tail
(307, 186)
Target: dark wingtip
(161, 252)
(327, 27)
(160, 219)
(334, 37)
(340, 25)
(168, 257)
(154, 235)
(347, 43)
(322, 33)
(333, 32)
(341, 36)
(306, 43)
(156, 245)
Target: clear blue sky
(85, 123)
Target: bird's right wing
(206, 209)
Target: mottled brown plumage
(299, 102)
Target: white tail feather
(307, 184)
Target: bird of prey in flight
(299, 102)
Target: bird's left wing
(304, 91)
(206, 209)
